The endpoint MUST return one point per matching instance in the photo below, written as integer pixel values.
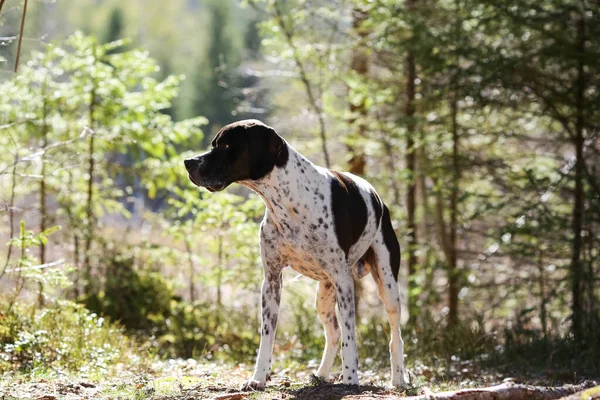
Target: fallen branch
(508, 391)
(588, 394)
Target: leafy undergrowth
(64, 351)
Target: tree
(214, 97)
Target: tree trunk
(579, 195)
(219, 278)
(542, 285)
(89, 203)
(453, 276)
(453, 272)
(43, 215)
(392, 167)
(507, 391)
(188, 248)
(411, 196)
(360, 65)
(11, 212)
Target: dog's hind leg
(326, 299)
(387, 251)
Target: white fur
(298, 199)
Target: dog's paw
(349, 379)
(252, 385)
(401, 380)
(318, 380)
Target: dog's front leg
(345, 298)
(271, 297)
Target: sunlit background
(476, 121)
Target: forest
(477, 122)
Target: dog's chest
(307, 244)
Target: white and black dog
(327, 225)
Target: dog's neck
(291, 189)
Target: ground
(188, 379)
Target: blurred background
(477, 122)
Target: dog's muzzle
(192, 165)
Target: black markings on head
(349, 210)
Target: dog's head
(244, 150)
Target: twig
(41, 266)
(85, 132)
(21, 36)
(6, 126)
(1, 4)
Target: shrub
(61, 337)
(137, 299)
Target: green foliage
(138, 300)
(202, 329)
(60, 338)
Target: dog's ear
(266, 149)
(280, 150)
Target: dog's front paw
(253, 385)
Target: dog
(329, 226)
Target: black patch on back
(349, 210)
(391, 242)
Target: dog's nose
(189, 163)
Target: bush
(62, 337)
(203, 329)
(144, 303)
(139, 300)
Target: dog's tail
(391, 241)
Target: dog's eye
(222, 145)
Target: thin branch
(86, 131)
(9, 125)
(35, 267)
(304, 78)
(21, 36)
